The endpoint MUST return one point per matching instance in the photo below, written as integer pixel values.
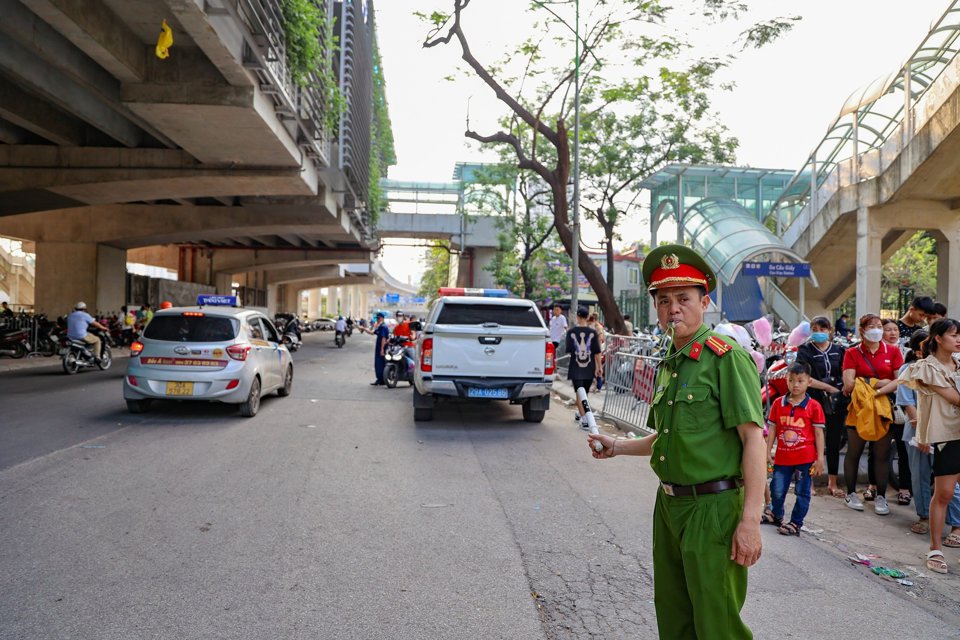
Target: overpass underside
(212, 155)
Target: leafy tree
(382, 151)
(541, 95)
(913, 266)
(437, 272)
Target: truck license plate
(179, 388)
(480, 392)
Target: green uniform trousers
(698, 590)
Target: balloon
(799, 334)
(757, 360)
(763, 331)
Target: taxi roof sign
(211, 300)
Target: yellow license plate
(179, 388)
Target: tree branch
(505, 138)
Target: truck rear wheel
(532, 415)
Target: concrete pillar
(948, 269)
(869, 265)
(289, 299)
(313, 304)
(68, 272)
(333, 300)
(273, 299)
(224, 283)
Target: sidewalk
(35, 362)
(843, 532)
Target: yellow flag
(165, 41)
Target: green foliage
(913, 266)
(437, 274)
(310, 45)
(382, 151)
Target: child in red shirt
(796, 423)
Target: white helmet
(81, 306)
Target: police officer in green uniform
(708, 453)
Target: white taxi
(214, 352)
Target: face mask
(820, 336)
(873, 335)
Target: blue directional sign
(393, 298)
(777, 269)
(207, 300)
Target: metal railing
(630, 367)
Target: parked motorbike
(15, 343)
(47, 336)
(76, 355)
(399, 367)
(292, 340)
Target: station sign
(777, 269)
(207, 300)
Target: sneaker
(880, 506)
(854, 502)
(576, 418)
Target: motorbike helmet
(80, 306)
(166, 304)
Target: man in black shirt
(915, 317)
(583, 345)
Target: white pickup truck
(485, 348)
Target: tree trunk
(611, 268)
(558, 183)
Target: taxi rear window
(503, 315)
(175, 328)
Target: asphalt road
(332, 515)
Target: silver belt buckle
(667, 489)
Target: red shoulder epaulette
(695, 350)
(717, 345)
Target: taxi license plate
(480, 392)
(179, 388)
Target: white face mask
(873, 335)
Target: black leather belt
(717, 486)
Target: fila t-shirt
(794, 425)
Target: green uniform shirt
(699, 399)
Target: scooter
(399, 367)
(340, 339)
(291, 340)
(15, 343)
(76, 355)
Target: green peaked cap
(676, 265)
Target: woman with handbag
(825, 360)
(935, 378)
(872, 361)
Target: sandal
(789, 529)
(904, 498)
(869, 495)
(921, 527)
(952, 541)
(838, 493)
(769, 518)
(936, 561)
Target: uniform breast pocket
(693, 408)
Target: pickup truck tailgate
(472, 351)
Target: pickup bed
(482, 348)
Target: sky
(786, 95)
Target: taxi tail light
(238, 351)
(233, 384)
(426, 355)
(193, 314)
(133, 379)
(135, 349)
(550, 361)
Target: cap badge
(670, 261)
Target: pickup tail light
(238, 351)
(426, 355)
(135, 349)
(550, 362)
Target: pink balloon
(758, 360)
(763, 331)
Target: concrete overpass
(888, 166)
(213, 160)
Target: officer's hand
(606, 441)
(747, 544)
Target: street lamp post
(575, 226)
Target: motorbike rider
(340, 327)
(78, 328)
(403, 329)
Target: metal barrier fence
(630, 368)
